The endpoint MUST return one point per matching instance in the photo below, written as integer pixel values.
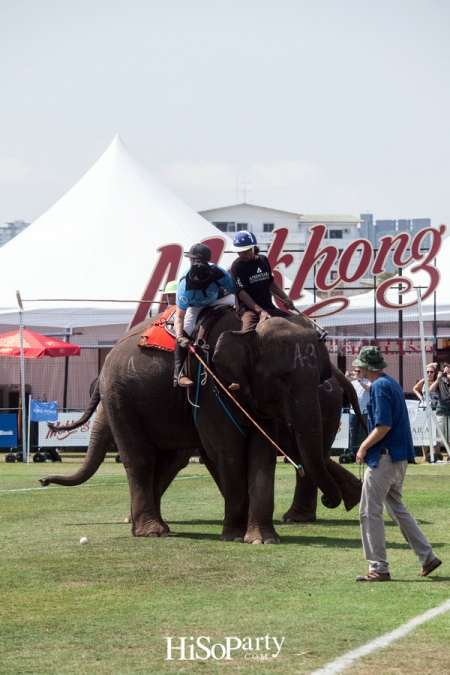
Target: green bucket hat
(370, 358)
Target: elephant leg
(227, 459)
(304, 505)
(261, 481)
(140, 462)
(349, 485)
(168, 465)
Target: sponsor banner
(8, 431)
(419, 428)
(62, 438)
(417, 419)
(43, 412)
(348, 346)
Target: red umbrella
(35, 346)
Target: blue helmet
(243, 240)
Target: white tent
(99, 241)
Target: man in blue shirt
(202, 285)
(386, 451)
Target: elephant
(280, 366)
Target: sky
(311, 106)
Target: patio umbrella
(25, 344)
(35, 346)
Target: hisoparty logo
(203, 648)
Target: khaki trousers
(383, 487)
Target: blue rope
(231, 416)
(197, 393)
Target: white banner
(65, 439)
(419, 428)
(417, 419)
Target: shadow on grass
(103, 522)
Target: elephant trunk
(100, 442)
(307, 426)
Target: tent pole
(66, 369)
(25, 453)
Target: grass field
(109, 606)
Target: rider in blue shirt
(202, 285)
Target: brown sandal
(374, 576)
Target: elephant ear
(232, 356)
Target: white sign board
(341, 440)
(65, 439)
(419, 428)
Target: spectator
(386, 451)
(444, 401)
(362, 387)
(419, 390)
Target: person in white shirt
(362, 388)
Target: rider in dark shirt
(255, 283)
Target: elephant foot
(293, 516)
(150, 528)
(257, 536)
(128, 519)
(235, 534)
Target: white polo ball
(84, 540)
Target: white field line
(346, 660)
(64, 487)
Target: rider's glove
(183, 341)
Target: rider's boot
(179, 359)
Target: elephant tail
(99, 444)
(348, 388)
(91, 407)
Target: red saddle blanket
(157, 336)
